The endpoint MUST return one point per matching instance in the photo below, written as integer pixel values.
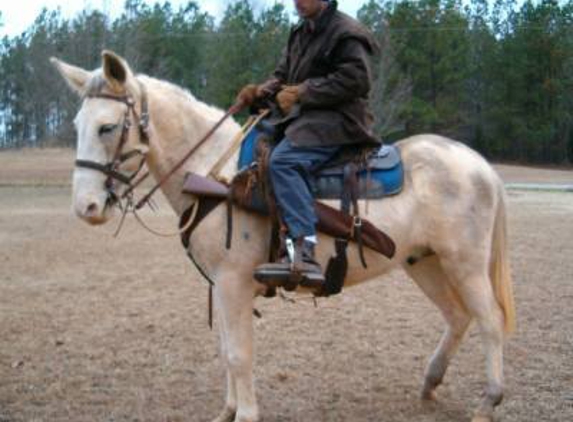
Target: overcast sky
(17, 15)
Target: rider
(321, 86)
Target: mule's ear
(75, 77)
(115, 70)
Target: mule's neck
(178, 121)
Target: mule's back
(448, 176)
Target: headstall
(112, 169)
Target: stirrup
(275, 275)
(281, 275)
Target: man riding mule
(321, 86)
(448, 222)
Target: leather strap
(235, 108)
(350, 197)
(336, 269)
(206, 205)
(111, 169)
(103, 168)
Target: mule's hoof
(227, 415)
(429, 395)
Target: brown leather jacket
(330, 58)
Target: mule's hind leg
(484, 307)
(475, 289)
(430, 277)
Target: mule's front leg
(235, 307)
(230, 410)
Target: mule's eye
(106, 129)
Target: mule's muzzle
(92, 211)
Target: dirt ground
(94, 328)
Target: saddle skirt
(381, 175)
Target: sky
(18, 15)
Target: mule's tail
(500, 272)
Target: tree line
(494, 75)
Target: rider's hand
(269, 88)
(248, 95)
(288, 97)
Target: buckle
(356, 225)
(290, 248)
(144, 120)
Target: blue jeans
(291, 168)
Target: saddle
(371, 174)
(380, 172)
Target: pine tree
(498, 76)
(430, 38)
(392, 89)
(270, 38)
(231, 54)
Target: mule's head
(103, 133)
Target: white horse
(449, 224)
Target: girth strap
(206, 205)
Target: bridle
(112, 168)
(113, 173)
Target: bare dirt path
(100, 329)
(520, 174)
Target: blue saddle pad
(384, 176)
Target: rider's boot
(296, 266)
(305, 269)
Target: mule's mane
(205, 111)
(97, 85)
(183, 120)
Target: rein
(235, 108)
